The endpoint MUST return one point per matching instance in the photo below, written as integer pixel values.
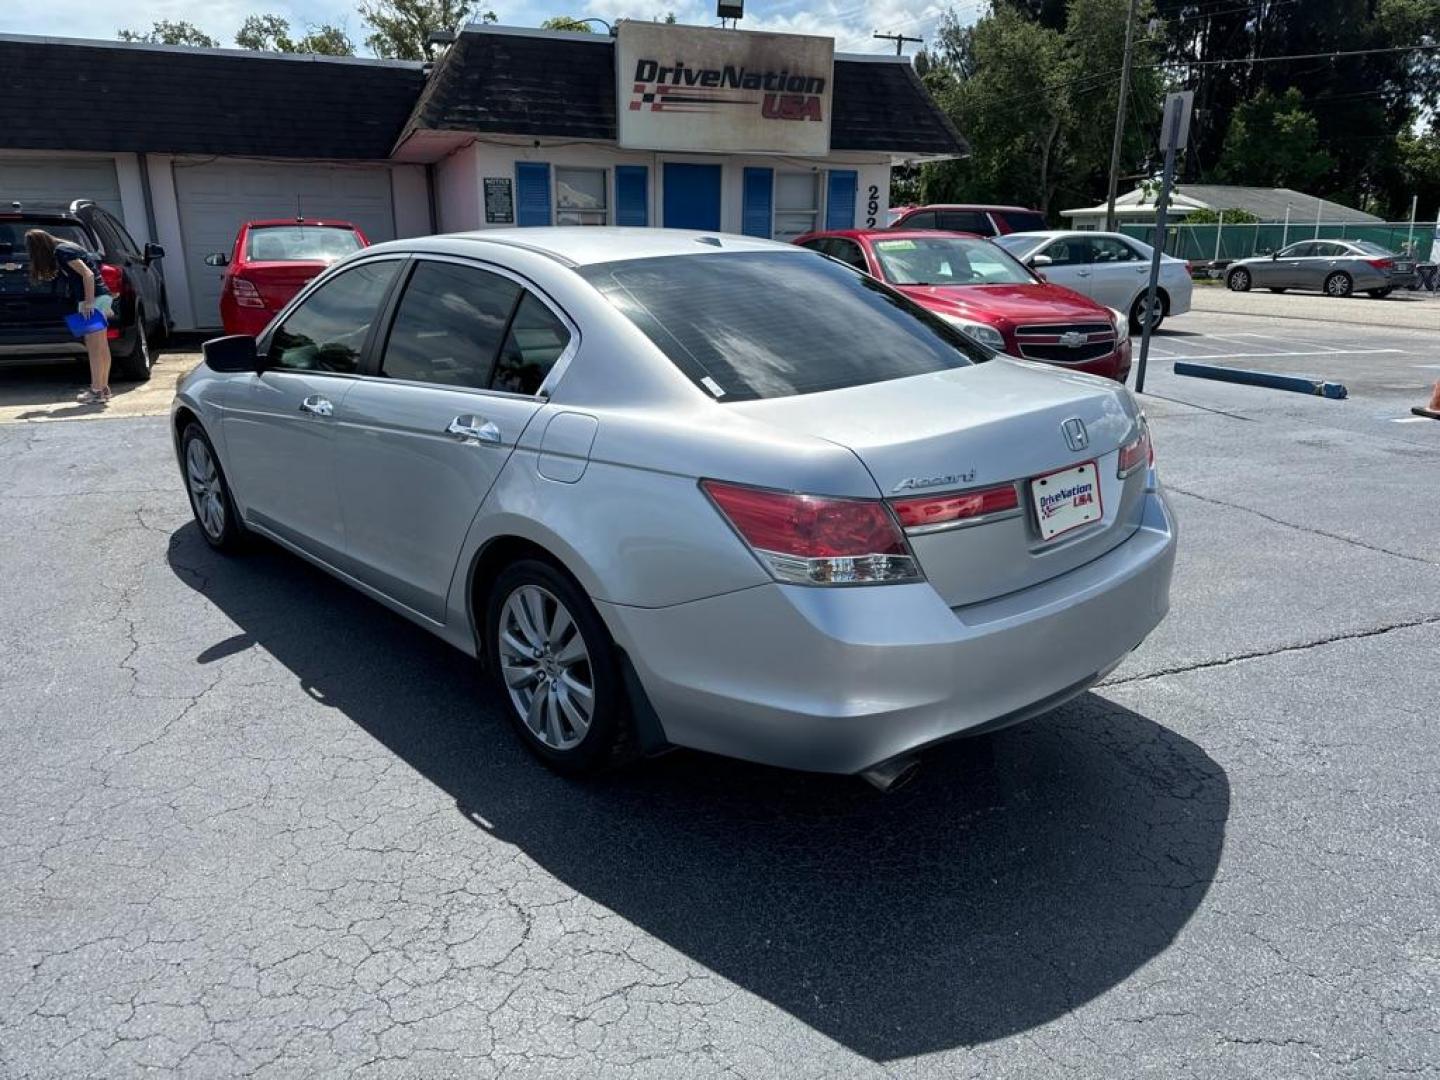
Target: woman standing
(78, 269)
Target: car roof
(582, 245)
(35, 209)
(267, 223)
(889, 234)
(971, 206)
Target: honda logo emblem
(1075, 434)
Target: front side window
(327, 331)
(751, 325)
(536, 339)
(449, 325)
(1068, 252)
(923, 220)
(948, 260)
(117, 241)
(797, 204)
(300, 243)
(580, 197)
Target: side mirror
(153, 252)
(1038, 261)
(219, 258)
(233, 353)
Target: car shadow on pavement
(1017, 878)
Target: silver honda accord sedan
(682, 489)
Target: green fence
(1201, 243)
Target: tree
(1036, 104)
(565, 22)
(399, 28)
(167, 32)
(1274, 141)
(271, 33)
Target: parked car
(977, 220)
(271, 261)
(1335, 267)
(32, 317)
(675, 488)
(984, 291)
(1110, 268)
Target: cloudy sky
(850, 22)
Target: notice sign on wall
(499, 201)
(723, 91)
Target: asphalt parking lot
(260, 826)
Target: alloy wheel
(1149, 311)
(1239, 281)
(546, 667)
(206, 494)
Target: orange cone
(1433, 409)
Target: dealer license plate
(1067, 499)
(1403, 268)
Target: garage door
(60, 180)
(215, 198)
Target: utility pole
(1120, 117)
(1175, 133)
(901, 39)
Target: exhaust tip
(892, 775)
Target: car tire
(1278, 288)
(136, 365)
(557, 670)
(1238, 281)
(1339, 284)
(1380, 294)
(209, 491)
(1137, 313)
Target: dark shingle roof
(163, 99)
(563, 86)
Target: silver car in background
(687, 489)
(1111, 268)
(1334, 267)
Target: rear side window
(1021, 220)
(300, 243)
(923, 220)
(535, 341)
(449, 325)
(971, 221)
(328, 330)
(749, 325)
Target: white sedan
(1110, 268)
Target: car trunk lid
(277, 282)
(973, 428)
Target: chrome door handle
(473, 429)
(317, 405)
(1082, 273)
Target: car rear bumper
(29, 345)
(838, 680)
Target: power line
(1296, 56)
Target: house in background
(1267, 204)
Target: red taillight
(815, 539)
(1136, 453)
(113, 277)
(246, 295)
(1189, 268)
(1382, 264)
(956, 507)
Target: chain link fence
(1204, 243)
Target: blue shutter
(840, 199)
(532, 193)
(759, 199)
(632, 195)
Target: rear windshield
(300, 243)
(1021, 220)
(13, 230)
(1371, 248)
(749, 325)
(948, 260)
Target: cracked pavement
(258, 826)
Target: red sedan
(988, 294)
(271, 261)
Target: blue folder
(79, 325)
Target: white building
(764, 134)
